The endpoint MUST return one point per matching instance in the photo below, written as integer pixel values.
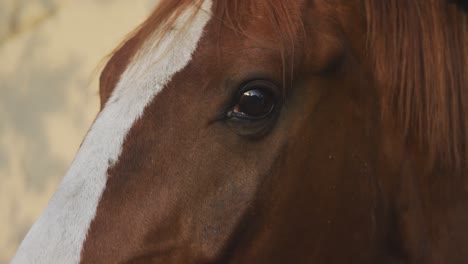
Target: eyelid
(236, 82)
(250, 85)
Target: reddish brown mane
(418, 49)
(278, 13)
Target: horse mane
(418, 55)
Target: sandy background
(50, 53)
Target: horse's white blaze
(59, 233)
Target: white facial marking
(59, 233)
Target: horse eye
(255, 102)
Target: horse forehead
(59, 233)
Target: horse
(273, 131)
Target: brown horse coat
(361, 157)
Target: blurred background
(51, 54)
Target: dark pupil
(255, 103)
